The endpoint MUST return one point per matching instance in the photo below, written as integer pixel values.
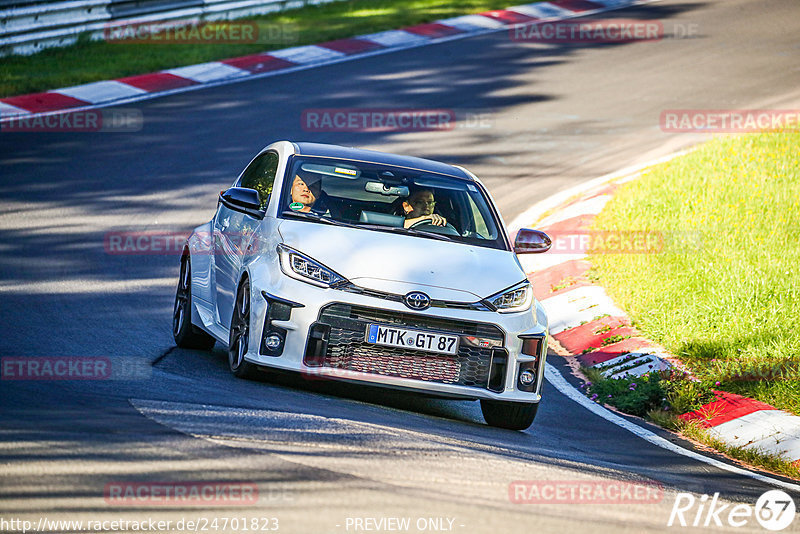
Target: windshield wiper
(401, 230)
(379, 227)
(320, 218)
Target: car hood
(398, 263)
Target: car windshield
(389, 199)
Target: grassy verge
(660, 397)
(667, 391)
(726, 303)
(724, 292)
(89, 61)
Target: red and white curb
(748, 423)
(586, 323)
(583, 318)
(192, 77)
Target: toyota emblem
(416, 300)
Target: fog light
(273, 341)
(526, 378)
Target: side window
(260, 175)
(480, 222)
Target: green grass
(634, 395)
(724, 294)
(89, 61)
(668, 392)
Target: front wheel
(239, 338)
(510, 415)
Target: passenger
(419, 207)
(305, 191)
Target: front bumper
(323, 333)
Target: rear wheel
(187, 335)
(510, 415)
(239, 338)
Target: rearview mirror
(530, 241)
(383, 189)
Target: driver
(419, 207)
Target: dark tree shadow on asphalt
(63, 294)
(167, 176)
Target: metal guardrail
(135, 8)
(5, 4)
(29, 26)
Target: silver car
(363, 266)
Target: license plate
(391, 336)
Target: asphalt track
(323, 452)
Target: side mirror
(242, 199)
(530, 241)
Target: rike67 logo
(774, 510)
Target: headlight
(301, 267)
(514, 299)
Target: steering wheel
(447, 229)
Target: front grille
(347, 348)
(435, 303)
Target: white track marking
(543, 10)
(7, 110)
(394, 38)
(574, 307)
(209, 72)
(98, 92)
(470, 23)
(775, 431)
(307, 55)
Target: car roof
(384, 158)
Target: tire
(239, 336)
(187, 335)
(510, 415)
